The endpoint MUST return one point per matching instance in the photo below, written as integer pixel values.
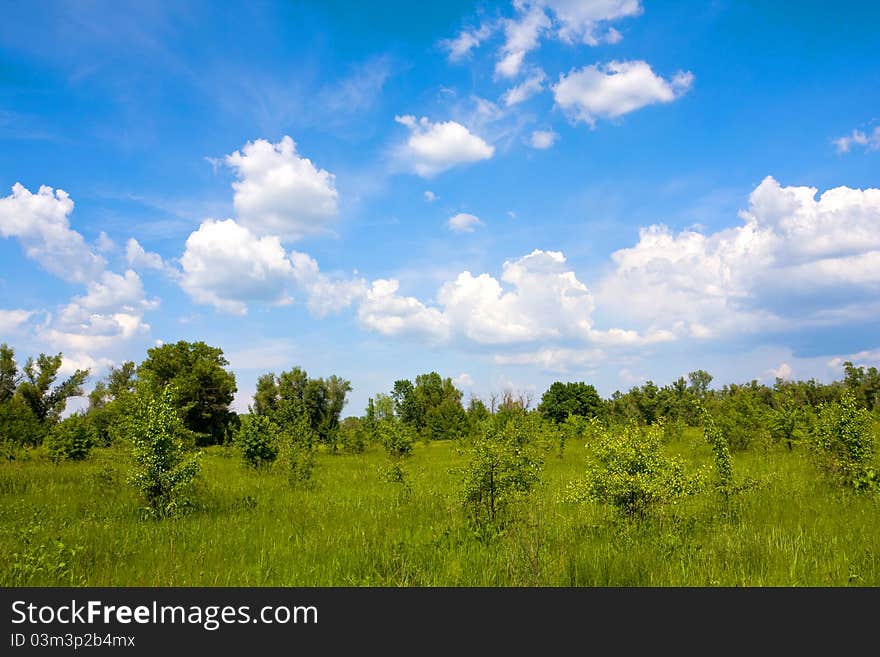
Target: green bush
(503, 465)
(19, 426)
(71, 439)
(843, 441)
(630, 471)
(297, 451)
(162, 469)
(258, 440)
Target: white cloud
(546, 300)
(522, 35)
(430, 196)
(460, 47)
(580, 21)
(104, 244)
(280, 193)
(325, 294)
(40, 222)
(784, 371)
(463, 223)
(435, 147)
(543, 139)
(463, 380)
(560, 359)
(526, 89)
(870, 141)
(11, 321)
(790, 246)
(388, 313)
(139, 258)
(115, 292)
(614, 89)
(227, 266)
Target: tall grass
(80, 524)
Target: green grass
(79, 524)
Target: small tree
(397, 439)
(162, 469)
(257, 439)
(630, 472)
(297, 451)
(71, 439)
(720, 452)
(844, 443)
(503, 466)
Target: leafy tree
(297, 452)
(203, 388)
(162, 469)
(864, 384)
(258, 440)
(630, 471)
(19, 427)
(477, 413)
(47, 402)
(699, 383)
(110, 402)
(71, 439)
(9, 375)
(432, 406)
(844, 442)
(503, 465)
(743, 415)
(564, 399)
(353, 435)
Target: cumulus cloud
(463, 380)
(227, 266)
(526, 89)
(40, 222)
(543, 139)
(430, 196)
(463, 223)
(138, 258)
(584, 21)
(614, 89)
(823, 252)
(435, 147)
(280, 193)
(114, 291)
(385, 311)
(324, 294)
(869, 141)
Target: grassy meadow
(78, 523)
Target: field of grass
(79, 524)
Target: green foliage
(743, 416)
(431, 407)
(71, 439)
(353, 435)
(292, 395)
(720, 453)
(41, 559)
(162, 469)
(297, 452)
(9, 376)
(19, 427)
(577, 427)
(395, 437)
(629, 470)
(258, 440)
(204, 389)
(843, 441)
(35, 389)
(563, 400)
(503, 466)
(864, 384)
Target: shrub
(71, 439)
(743, 419)
(18, 424)
(162, 469)
(629, 471)
(844, 443)
(503, 466)
(297, 451)
(353, 435)
(720, 452)
(257, 439)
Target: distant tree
(432, 406)
(564, 399)
(699, 383)
(71, 439)
(204, 389)
(9, 375)
(19, 427)
(46, 402)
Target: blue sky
(507, 193)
